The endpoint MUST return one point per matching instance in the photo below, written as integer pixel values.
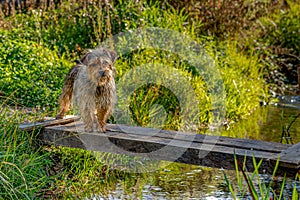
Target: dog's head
(100, 63)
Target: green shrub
(75, 26)
(277, 42)
(31, 74)
(241, 77)
(63, 30)
(224, 19)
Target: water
(181, 181)
(268, 124)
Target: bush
(277, 42)
(242, 76)
(224, 19)
(241, 79)
(31, 74)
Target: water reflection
(268, 122)
(176, 181)
(182, 181)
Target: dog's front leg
(102, 116)
(88, 119)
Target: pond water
(181, 181)
(268, 123)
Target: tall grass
(22, 163)
(259, 186)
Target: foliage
(242, 76)
(22, 165)
(75, 25)
(225, 19)
(30, 73)
(276, 40)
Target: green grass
(22, 163)
(257, 186)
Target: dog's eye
(105, 63)
(93, 65)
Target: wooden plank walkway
(191, 148)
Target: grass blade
(249, 182)
(282, 188)
(229, 186)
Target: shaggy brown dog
(91, 83)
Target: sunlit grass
(22, 163)
(257, 186)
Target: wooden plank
(49, 122)
(291, 155)
(175, 146)
(220, 140)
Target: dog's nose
(102, 73)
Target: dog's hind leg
(64, 102)
(67, 92)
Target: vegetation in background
(30, 73)
(277, 42)
(226, 19)
(51, 29)
(256, 40)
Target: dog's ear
(112, 55)
(85, 59)
(88, 58)
(78, 62)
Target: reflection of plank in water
(198, 149)
(287, 101)
(286, 105)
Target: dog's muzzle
(102, 73)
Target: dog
(91, 84)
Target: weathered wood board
(191, 148)
(48, 122)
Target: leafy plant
(31, 72)
(276, 39)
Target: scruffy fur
(91, 83)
